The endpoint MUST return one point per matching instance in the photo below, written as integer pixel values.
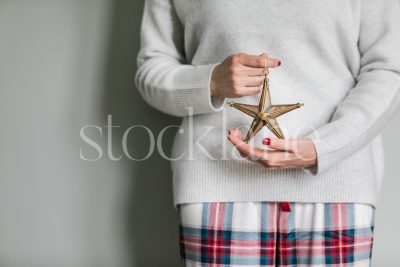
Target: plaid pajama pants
(262, 234)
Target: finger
(237, 142)
(275, 158)
(260, 61)
(252, 72)
(247, 91)
(249, 152)
(236, 133)
(253, 153)
(280, 144)
(266, 165)
(254, 81)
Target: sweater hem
(242, 180)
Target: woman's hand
(284, 153)
(240, 75)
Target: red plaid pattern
(261, 234)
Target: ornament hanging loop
(266, 70)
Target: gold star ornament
(265, 113)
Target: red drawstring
(285, 206)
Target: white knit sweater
(340, 58)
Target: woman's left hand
(284, 153)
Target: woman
(340, 58)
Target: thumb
(279, 144)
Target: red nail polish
(267, 141)
(279, 62)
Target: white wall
(55, 209)
(68, 63)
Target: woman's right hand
(240, 75)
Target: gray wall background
(68, 63)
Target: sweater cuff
(313, 170)
(328, 154)
(322, 159)
(196, 93)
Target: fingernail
(266, 141)
(279, 63)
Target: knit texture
(340, 58)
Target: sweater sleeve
(163, 77)
(376, 96)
